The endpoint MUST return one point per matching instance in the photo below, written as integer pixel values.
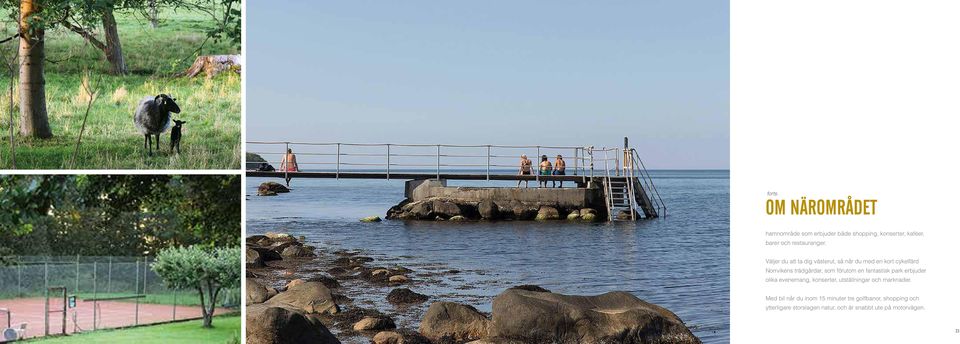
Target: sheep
(175, 134)
(153, 118)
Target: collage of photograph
(218, 171)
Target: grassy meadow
(211, 107)
(226, 330)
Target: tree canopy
(207, 271)
(127, 215)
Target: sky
(570, 73)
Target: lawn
(226, 329)
(211, 107)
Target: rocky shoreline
(450, 209)
(284, 309)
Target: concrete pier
(561, 198)
(432, 199)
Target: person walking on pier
(289, 164)
(545, 169)
(559, 169)
(525, 169)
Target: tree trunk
(112, 49)
(33, 102)
(208, 320)
(152, 4)
(203, 307)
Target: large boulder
(265, 254)
(547, 213)
(488, 210)
(279, 237)
(446, 321)
(619, 317)
(420, 210)
(276, 325)
(253, 259)
(258, 240)
(297, 252)
(524, 212)
(445, 209)
(272, 187)
(256, 292)
(308, 297)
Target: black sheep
(153, 117)
(175, 134)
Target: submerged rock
(531, 287)
(405, 296)
(370, 219)
(271, 189)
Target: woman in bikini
(289, 163)
(525, 165)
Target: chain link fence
(127, 285)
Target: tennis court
(110, 314)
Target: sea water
(680, 262)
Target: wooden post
(94, 294)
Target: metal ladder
(619, 193)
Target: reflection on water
(680, 262)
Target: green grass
(110, 141)
(225, 330)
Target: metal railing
(488, 159)
(643, 176)
(390, 158)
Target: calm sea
(680, 262)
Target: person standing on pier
(545, 169)
(525, 167)
(559, 169)
(289, 164)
